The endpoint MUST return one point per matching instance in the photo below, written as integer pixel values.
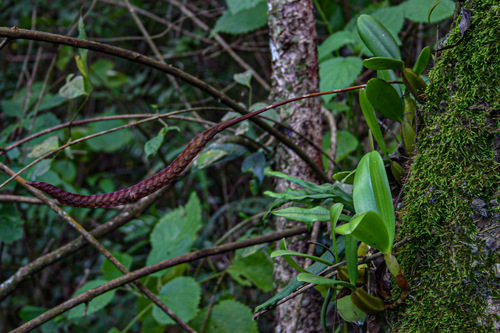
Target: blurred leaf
(209, 157)
(377, 38)
(338, 73)
(385, 99)
(244, 78)
(333, 43)
(346, 144)
(41, 168)
(110, 271)
(323, 281)
(47, 145)
(256, 267)
(415, 84)
(227, 317)
(182, 295)
(103, 74)
(418, 10)
(346, 177)
(11, 224)
(110, 142)
(289, 259)
(73, 88)
(95, 304)
(255, 163)
(218, 153)
(243, 21)
(237, 5)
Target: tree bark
(293, 42)
(452, 197)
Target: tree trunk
(295, 72)
(452, 197)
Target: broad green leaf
(243, 21)
(335, 212)
(369, 228)
(389, 75)
(333, 43)
(351, 257)
(256, 267)
(371, 121)
(244, 78)
(378, 63)
(377, 38)
(371, 191)
(323, 281)
(289, 259)
(418, 10)
(294, 284)
(112, 141)
(280, 253)
(348, 311)
(385, 99)
(423, 60)
(338, 73)
(227, 317)
(152, 146)
(110, 271)
(47, 145)
(95, 304)
(182, 295)
(346, 144)
(308, 185)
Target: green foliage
(96, 304)
(337, 73)
(255, 267)
(227, 317)
(244, 20)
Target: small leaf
(349, 312)
(423, 60)
(110, 271)
(289, 260)
(335, 212)
(244, 78)
(408, 134)
(95, 304)
(47, 145)
(333, 43)
(338, 73)
(151, 146)
(378, 63)
(209, 157)
(351, 257)
(346, 144)
(307, 215)
(414, 84)
(385, 99)
(371, 121)
(377, 38)
(346, 177)
(243, 21)
(280, 253)
(73, 88)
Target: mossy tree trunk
(295, 72)
(452, 197)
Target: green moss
(447, 264)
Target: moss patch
(453, 186)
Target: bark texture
(452, 199)
(293, 43)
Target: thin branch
(88, 295)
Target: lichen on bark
(451, 203)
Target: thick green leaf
(371, 121)
(371, 191)
(346, 177)
(415, 84)
(333, 43)
(255, 267)
(73, 88)
(244, 78)
(227, 317)
(338, 73)
(423, 60)
(351, 257)
(307, 215)
(242, 21)
(378, 63)
(182, 288)
(348, 311)
(408, 134)
(385, 99)
(335, 212)
(369, 228)
(323, 281)
(96, 304)
(280, 253)
(389, 75)
(377, 38)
